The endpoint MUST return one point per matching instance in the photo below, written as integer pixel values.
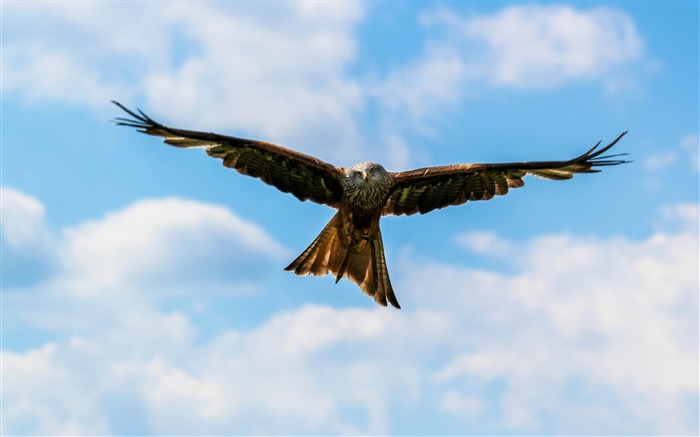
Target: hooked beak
(366, 176)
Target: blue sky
(143, 289)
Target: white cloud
(678, 216)
(425, 83)
(23, 221)
(614, 314)
(52, 59)
(164, 241)
(283, 77)
(544, 46)
(685, 213)
(524, 47)
(152, 251)
(27, 244)
(590, 335)
(279, 73)
(484, 243)
(462, 405)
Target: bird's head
(366, 184)
(366, 173)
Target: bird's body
(350, 245)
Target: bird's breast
(365, 199)
(358, 225)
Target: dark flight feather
(304, 176)
(426, 189)
(350, 245)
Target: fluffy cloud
(587, 323)
(27, 243)
(587, 335)
(152, 251)
(283, 76)
(24, 222)
(544, 46)
(521, 47)
(195, 241)
(281, 73)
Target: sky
(143, 290)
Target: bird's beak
(366, 176)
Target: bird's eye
(373, 170)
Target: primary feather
(350, 245)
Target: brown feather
(304, 176)
(426, 189)
(363, 264)
(350, 245)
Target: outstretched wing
(304, 176)
(431, 188)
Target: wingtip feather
(140, 121)
(596, 158)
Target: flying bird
(351, 245)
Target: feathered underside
(364, 263)
(426, 189)
(350, 245)
(415, 191)
(304, 176)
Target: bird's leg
(360, 239)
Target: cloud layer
(587, 335)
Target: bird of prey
(350, 245)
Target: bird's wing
(426, 189)
(304, 176)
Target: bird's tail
(362, 263)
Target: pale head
(367, 171)
(366, 185)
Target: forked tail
(362, 263)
